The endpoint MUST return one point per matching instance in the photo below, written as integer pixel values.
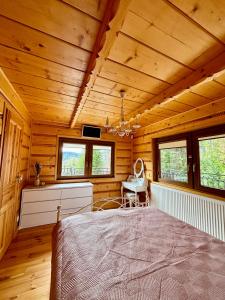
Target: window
(212, 162)
(73, 159)
(101, 160)
(173, 161)
(84, 159)
(195, 160)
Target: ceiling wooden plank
(122, 74)
(205, 122)
(47, 109)
(191, 99)
(54, 18)
(47, 103)
(176, 106)
(160, 111)
(112, 88)
(220, 79)
(204, 73)
(98, 113)
(34, 92)
(94, 8)
(102, 107)
(143, 58)
(112, 100)
(170, 33)
(90, 119)
(116, 19)
(150, 119)
(20, 37)
(33, 65)
(209, 14)
(209, 89)
(57, 119)
(214, 107)
(40, 83)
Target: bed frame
(99, 205)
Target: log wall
(44, 150)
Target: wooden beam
(114, 15)
(212, 69)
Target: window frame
(174, 138)
(193, 158)
(88, 158)
(213, 131)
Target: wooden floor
(25, 269)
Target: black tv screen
(92, 132)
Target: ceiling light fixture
(123, 129)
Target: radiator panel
(201, 212)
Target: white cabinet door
(42, 195)
(76, 202)
(76, 192)
(36, 207)
(38, 219)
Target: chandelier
(123, 129)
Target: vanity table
(136, 184)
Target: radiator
(201, 212)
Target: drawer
(77, 192)
(35, 207)
(38, 219)
(42, 195)
(76, 202)
(70, 212)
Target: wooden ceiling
(68, 59)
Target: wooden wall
(15, 161)
(204, 116)
(142, 147)
(44, 149)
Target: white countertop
(58, 186)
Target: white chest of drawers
(39, 204)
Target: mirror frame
(137, 175)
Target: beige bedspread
(139, 253)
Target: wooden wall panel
(142, 147)
(204, 116)
(44, 149)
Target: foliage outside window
(195, 159)
(85, 158)
(173, 161)
(212, 162)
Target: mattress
(139, 253)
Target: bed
(136, 253)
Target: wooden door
(10, 181)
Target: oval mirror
(138, 167)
